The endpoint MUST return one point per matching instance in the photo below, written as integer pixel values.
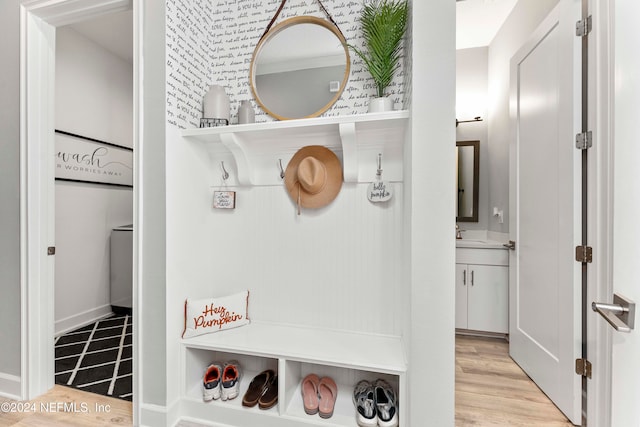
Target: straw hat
(313, 177)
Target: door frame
(38, 19)
(600, 204)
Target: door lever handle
(620, 314)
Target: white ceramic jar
(216, 104)
(246, 113)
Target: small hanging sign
(224, 199)
(379, 190)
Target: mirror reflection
(300, 68)
(468, 165)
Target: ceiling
(478, 21)
(114, 32)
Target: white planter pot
(379, 104)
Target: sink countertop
(479, 243)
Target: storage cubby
(293, 352)
(345, 378)
(197, 360)
(344, 320)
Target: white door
(545, 281)
(625, 384)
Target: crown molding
(64, 12)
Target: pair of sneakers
(221, 381)
(376, 404)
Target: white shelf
(357, 139)
(377, 353)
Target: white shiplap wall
(336, 267)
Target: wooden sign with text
(224, 199)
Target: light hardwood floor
(69, 407)
(491, 390)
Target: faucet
(458, 232)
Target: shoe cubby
(345, 378)
(293, 353)
(196, 362)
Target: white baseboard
(156, 415)
(79, 320)
(10, 386)
(173, 412)
(152, 415)
(192, 422)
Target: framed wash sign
(83, 159)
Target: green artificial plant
(383, 25)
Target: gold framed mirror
(299, 68)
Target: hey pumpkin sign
(208, 315)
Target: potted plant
(383, 25)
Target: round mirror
(300, 68)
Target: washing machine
(122, 269)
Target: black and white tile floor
(97, 358)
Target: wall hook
(379, 172)
(281, 169)
(225, 174)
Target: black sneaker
(386, 404)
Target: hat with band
(313, 177)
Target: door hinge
(584, 140)
(584, 253)
(583, 26)
(51, 250)
(583, 368)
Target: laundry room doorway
(94, 204)
(77, 144)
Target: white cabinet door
(487, 297)
(461, 296)
(482, 298)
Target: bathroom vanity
(482, 286)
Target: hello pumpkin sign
(209, 315)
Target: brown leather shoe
(270, 396)
(257, 388)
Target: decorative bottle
(246, 113)
(216, 106)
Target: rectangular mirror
(467, 180)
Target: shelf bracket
(349, 151)
(234, 144)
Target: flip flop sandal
(328, 391)
(309, 389)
